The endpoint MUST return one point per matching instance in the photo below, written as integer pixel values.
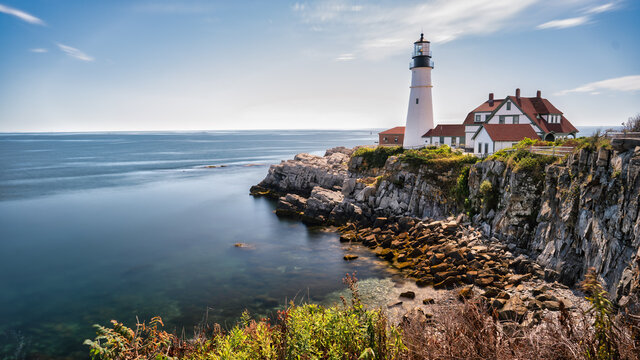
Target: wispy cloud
(75, 53)
(600, 8)
(383, 29)
(21, 15)
(345, 57)
(38, 50)
(624, 83)
(578, 20)
(564, 23)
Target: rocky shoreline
(502, 254)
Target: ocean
(101, 226)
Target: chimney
(539, 94)
(518, 94)
(490, 99)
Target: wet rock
(408, 294)
(350, 257)
(513, 310)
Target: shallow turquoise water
(96, 227)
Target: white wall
(435, 140)
(420, 115)
(483, 116)
(469, 130)
(499, 145)
(483, 137)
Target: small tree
(632, 125)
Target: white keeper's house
(500, 123)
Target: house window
(453, 140)
(501, 119)
(478, 118)
(462, 141)
(508, 106)
(417, 100)
(479, 148)
(486, 148)
(441, 139)
(384, 139)
(516, 119)
(396, 139)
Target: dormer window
(478, 118)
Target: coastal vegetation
(441, 158)
(467, 330)
(306, 331)
(376, 157)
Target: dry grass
(470, 331)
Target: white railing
(622, 135)
(547, 150)
(551, 150)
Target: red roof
(446, 130)
(484, 107)
(539, 106)
(510, 132)
(532, 107)
(398, 130)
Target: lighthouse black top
(421, 54)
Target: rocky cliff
(573, 215)
(582, 213)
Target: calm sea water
(95, 227)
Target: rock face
(578, 214)
(584, 213)
(305, 172)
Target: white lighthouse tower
(420, 114)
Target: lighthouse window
(417, 100)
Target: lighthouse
(420, 114)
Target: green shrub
(461, 189)
(489, 195)
(376, 157)
(307, 331)
(605, 345)
(439, 159)
(522, 160)
(594, 142)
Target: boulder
(408, 294)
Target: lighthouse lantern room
(420, 113)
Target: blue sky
(197, 65)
